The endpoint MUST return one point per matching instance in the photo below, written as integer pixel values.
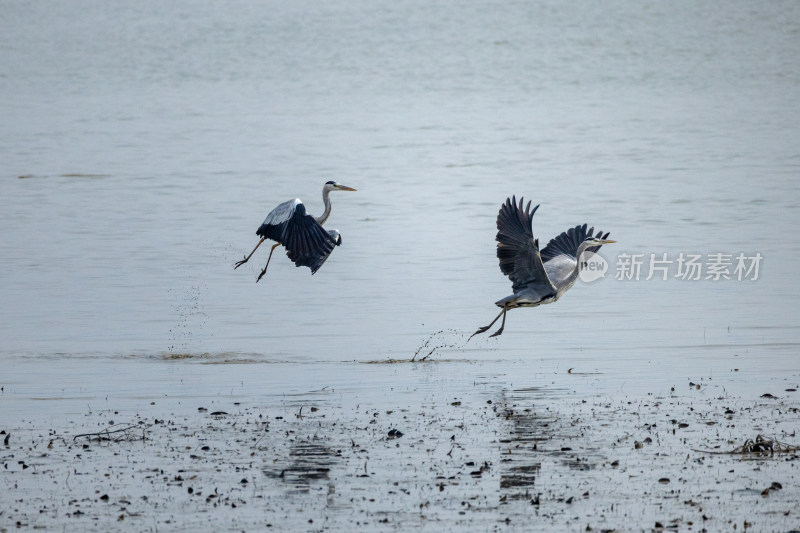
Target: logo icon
(592, 267)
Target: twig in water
(261, 437)
(105, 434)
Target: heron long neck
(574, 274)
(581, 249)
(325, 198)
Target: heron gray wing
(306, 243)
(274, 226)
(568, 242)
(518, 250)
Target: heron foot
(240, 263)
(261, 275)
(481, 330)
(498, 332)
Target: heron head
(334, 186)
(597, 240)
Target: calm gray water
(142, 144)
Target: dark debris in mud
(495, 459)
(760, 446)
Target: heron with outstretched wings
(537, 276)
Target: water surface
(144, 143)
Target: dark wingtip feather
(567, 243)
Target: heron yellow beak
(345, 188)
(607, 241)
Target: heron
(537, 277)
(306, 242)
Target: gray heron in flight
(306, 243)
(537, 277)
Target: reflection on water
(308, 462)
(542, 436)
(527, 428)
(519, 477)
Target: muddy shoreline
(486, 459)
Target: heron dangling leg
(246, 259)
(502, 324)
(268, 258)
(481, 330)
